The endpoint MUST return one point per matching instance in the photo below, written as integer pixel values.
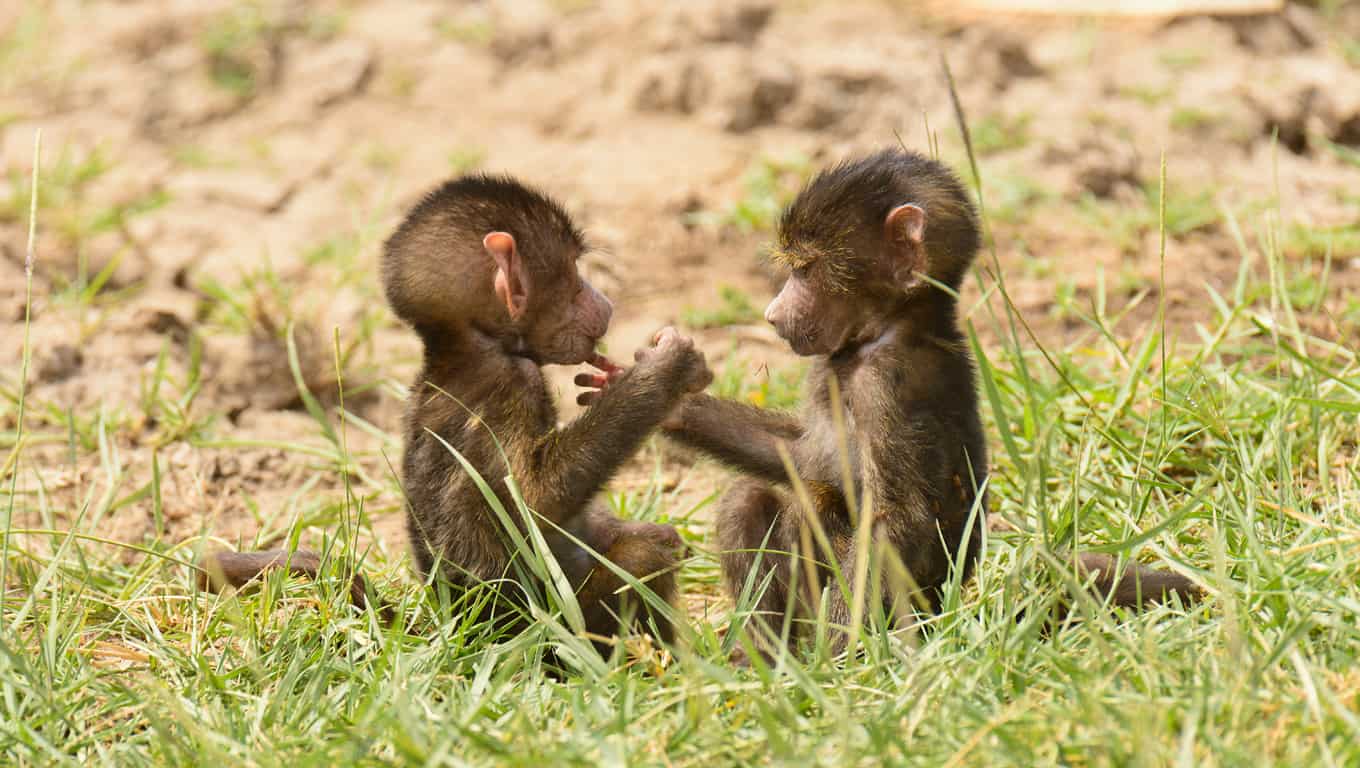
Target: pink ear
(906, 223)
(509, 282)
(904, 229)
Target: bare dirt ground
(212, 171)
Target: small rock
(523, 31)
(669, 84)
(681, 26)
(61, 363)
(167, 312)
(1274, 34)
(1099, 164)
(740, 22)
(225, 466)
(820, 106)
(993, 56)
(755, 97)
(1307, 95)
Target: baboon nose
(608, 313)
(601, 311)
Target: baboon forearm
(699, 412)
(741, 435)
(574, 462)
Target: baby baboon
(868, 244)
(484, 270)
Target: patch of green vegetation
(998, 133)
(474, 32)
(1181, 60)
(1303, 240)
(381, 157)
(573, 6)
(1192, 118)
(1350, 50)
(197, 156)
(1064, 299)
(1013, 198)
(22, 44)
(768, 186)
(1149, 95)
(237, 43)
(241, 43)
(1346, 154)
(1186, 212)
(399, 80)
(322, 25)
(466, 160)
(734, 308)
(64, 183)
(778, 388)
(65, 208)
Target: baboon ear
(904, 230)
(511, 287)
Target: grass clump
(1185, 212)
(999, 133)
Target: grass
(1185, 211)
(734, 308)
(778, 388)
(1228, 451)
(998, 133)
(1192, 118)
(463, 160)
(768, 185)
(241, 44)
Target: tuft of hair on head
(483, 202)
(856, 195)
(435, 269)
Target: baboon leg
(756, 547)
(649, 552)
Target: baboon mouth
(802, 343)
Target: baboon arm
(571, 464)
(741, 435)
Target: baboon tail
(236, 569)
(1137, 585)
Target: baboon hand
(672, 352)
(596, 383)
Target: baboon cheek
(804, 322)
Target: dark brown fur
(484, 270)
(482, 392)
(857, 240)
